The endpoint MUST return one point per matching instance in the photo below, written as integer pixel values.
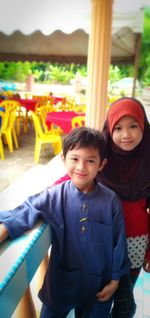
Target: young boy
(89, 253)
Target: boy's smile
(82, 166)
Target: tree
(144, 69)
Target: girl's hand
(148, 210)
(146, 265)
(107, 292)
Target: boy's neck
(88, 189)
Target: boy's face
(127, 133)
(82, 166)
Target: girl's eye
(134, 126)
(117, 128)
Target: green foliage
(42, 72)
(15, 71)
(144, 69)
(2, 70)
(117, 72)
(59, 74)
(146, 33)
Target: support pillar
(137, 61)
(99, 55)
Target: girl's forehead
(127, 118)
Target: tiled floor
(142, 295)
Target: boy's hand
(146, 265)
(107, 292)
(3, 233)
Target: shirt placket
(83, 220)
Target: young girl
(127, 133)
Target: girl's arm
(148, 205)
(146, 264)
(62, 179)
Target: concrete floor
(22, 159)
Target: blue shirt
(88, 241)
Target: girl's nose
(125, 133)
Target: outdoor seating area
(19, 111)
(55, 112)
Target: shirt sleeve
(25, 215)
(121, 262)
(147, 256)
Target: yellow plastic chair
(8, 128)
(78, 121)
(9, 103)
(43, 111)
(70, 103)
(1, 140)
(54, 129)
(80, 108)
(41, 101)
(1, 147)
(20, 114)
(43, 138)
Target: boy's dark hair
(83, 137)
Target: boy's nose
(81, 165)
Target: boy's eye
(91, 161)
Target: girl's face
(82, 166)
(127, 133)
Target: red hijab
(127, 172)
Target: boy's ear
(102, 164)
(62, 157)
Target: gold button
(84, 207)
(83, 219)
